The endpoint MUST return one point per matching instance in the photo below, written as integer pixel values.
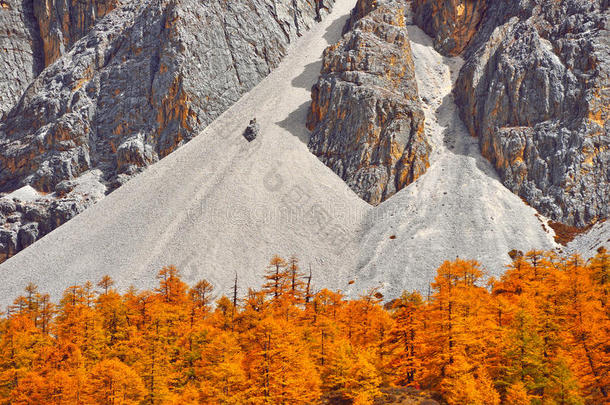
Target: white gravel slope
(220, 205)
(588, 243)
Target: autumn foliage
(538, 335)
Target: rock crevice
(452, 23)
(35, 33)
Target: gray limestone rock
(27, 235)
(8, 242)
(366, 119)
(452, 23)
(20, 51)
(7, 206)
(119, 99)
(535, 90)
(34, 33)
(63, 22)
(23, 222)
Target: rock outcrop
(144, 80)
(535, 91)
(366, 119)
(360, 10)
(27, 218)
(252, 130)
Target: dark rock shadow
(335, 30)
(458, 140)
(308, 77)
(295, 123)
(35, 36)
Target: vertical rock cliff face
(452, 23)
(366, 118)
(19, 51)
(34, 33)
(362, 8)
(534, 89)
(63, 22)
(144, 80)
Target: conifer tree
(221, 372)
(171, 288)
(281, 370)
(587, 331)
(404, 339)
(295, 279)
(105, 283)
(201, 295)
(351, 375)
(516, 394)
(600, 267)
(277, 279)
(562, 388)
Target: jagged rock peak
(366, 119)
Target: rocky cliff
(20, 48)
(144, 80)
(534, 90)
(220, 204)
(33, 34)
(366, 119)
(63, 22)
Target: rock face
(366, 119)
(143, 80)
(27, 221)
(34, 33)
(535, 91)
(362, 8)
(452, 23)
(63, 22)
(19, 51)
